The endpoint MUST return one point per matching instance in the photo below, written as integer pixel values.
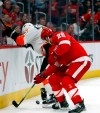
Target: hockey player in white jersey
(31, 35)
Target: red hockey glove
(39, 78)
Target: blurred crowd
(80, 18)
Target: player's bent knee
(67, 80)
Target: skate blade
(65, 109)
(47, 105)
(79, 112)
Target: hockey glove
(14, 35)
(39, 78)
(7, 31)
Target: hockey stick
(17, 104)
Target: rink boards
(18, 66)
(93, 49)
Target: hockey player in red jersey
(68, 62)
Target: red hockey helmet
(46, 32)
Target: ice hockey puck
(38, 102)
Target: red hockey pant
(67, 80)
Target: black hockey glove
(14, 35)
(7, 31)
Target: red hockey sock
(69, 85)
(59, 95)
(57, 88)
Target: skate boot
(43, 94)
(79, 108)
(60, 105)
(52, 99)
(49, 102)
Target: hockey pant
(67, 80)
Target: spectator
(70, 16)
(97, 31)
(40, 5)
(15, 13)
(23, 20)
(77, 29)
(51, 25)
(70, 31)
(87, 5)
(88, 34)
(81, 9)
(54, 12)
(7, 20)
(33, 9)
(74, 7)
(7, 7)
(97, 16)
(42, 21)
(86, 17)
(97, 5)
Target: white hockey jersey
(32, 36)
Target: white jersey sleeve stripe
(65, 42)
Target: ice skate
(52, 99)
(49, 102)
(61, 105)
(43, 94)
(79, 108)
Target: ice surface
(89, 89)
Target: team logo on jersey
(29, 66)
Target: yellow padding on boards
(7, 99)
(91, 74)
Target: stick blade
(15, 104)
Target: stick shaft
(27, 93)
(24, 96)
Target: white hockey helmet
(26, 27)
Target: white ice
(89, 89)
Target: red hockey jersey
(65, 48)
(64, 51)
